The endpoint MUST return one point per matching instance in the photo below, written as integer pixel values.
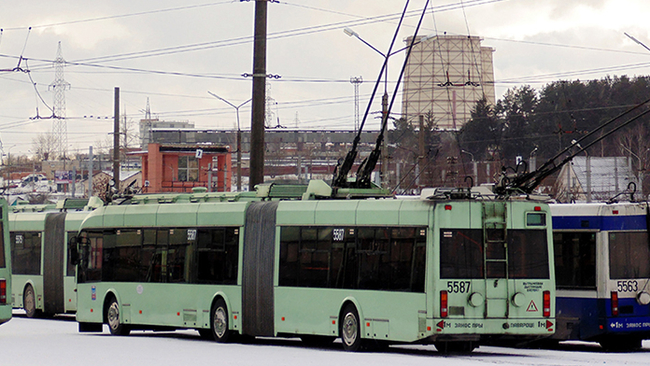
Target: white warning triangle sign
(532, 307)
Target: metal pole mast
(59, 85)
(356, 81)
(256, 174)
(116, 140)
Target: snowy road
(45, 342)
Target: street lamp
(238, 136)
(384, 100)
(474, 168)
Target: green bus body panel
(378, 212)
(158, 304)
(114, 216)
(27, 222)
(416, 212)
(181, 215)
(297, 212)
(226, 214)
(316, 311)
(141, 215)
(336, 212)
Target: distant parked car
(32, 178)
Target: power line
(281, 34)
(118, 16)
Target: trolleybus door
(495, 257)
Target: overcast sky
(173, 52)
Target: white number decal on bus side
(458, 286)
(338, 234)
(627, 286)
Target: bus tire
(457, 347)
(311, 340)
(350, 329)
(113, 319)
(29, 302)
(219, 324)
(621, 343)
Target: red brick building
(181, 167)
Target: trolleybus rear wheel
(219, 324)
(29, 302)
(621, 343)
(350, 329)
(455, 347)
(113, 319)
(316, 340)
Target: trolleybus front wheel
(29, 302)
(113, 319)
(350, 329)
(219, 324)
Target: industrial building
(444, 77)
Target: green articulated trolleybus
(42, 265)
(5, 265)
(453, 267)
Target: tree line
(528, 123)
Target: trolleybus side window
(629, 255)
(217, 256)
(26, 253)
(575, 259)
(527, 254)
(91, 257)
(343, 257)
(177, 255)
(70, 266)
(461, 253)
(2, 246)
(122, 255)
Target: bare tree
(634, 143)
(43, 146)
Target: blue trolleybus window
(629, 256)
(575, 260)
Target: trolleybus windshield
(461, 254)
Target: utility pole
(116, 140)
(256, 172)
(90, 171)
(421, 162)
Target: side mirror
(74, 252)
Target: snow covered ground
(45, 342)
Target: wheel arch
(220, 295)
(31, 283)
(351, 301)
(108, 296)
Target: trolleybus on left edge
(5, 265)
